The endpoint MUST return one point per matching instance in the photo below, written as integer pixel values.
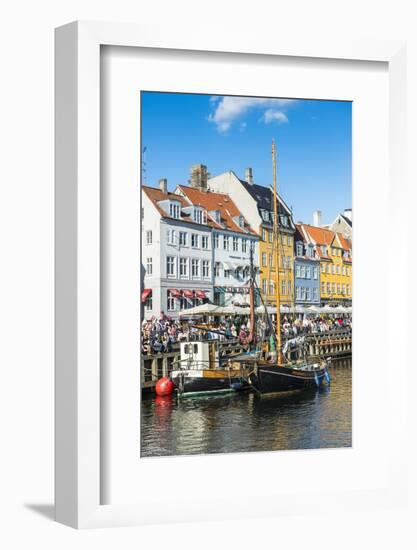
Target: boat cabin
(200, 355)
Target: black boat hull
(192, 384)
(275, 379)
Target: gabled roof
(156, 195)
(321, 236)
(264, 199)
(211, 201)
(346, 219)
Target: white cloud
(272, 115)
(229, 109)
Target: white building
(232, 242)
(176, 253)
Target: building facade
(306, 271)
(335, 255)
(257, 205)
(176, 253)
(233, 243)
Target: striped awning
(146, 293)
(188, 293)
(175, 292)
(200, 294)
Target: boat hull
(275, 379)
(194, 382)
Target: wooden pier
(335, 344)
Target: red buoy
(164, 386)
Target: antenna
(144, 175)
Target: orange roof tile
(217, 201)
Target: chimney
(249, 175)
(317, 218)
(348, 213)
(163, 185)
(199, 177)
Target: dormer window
(174, 210)
(265, 215)
(324, 249)
(200, 216)
(216, 216)
(241, 221)
(300, 249)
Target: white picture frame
(78, 405)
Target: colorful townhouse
(177, 256)
(334, 252)
(256, 204)
(306, 271)
(233, 241)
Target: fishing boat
(293, 368)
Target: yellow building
(335, 254)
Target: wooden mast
(276, 245)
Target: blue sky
(313, 140)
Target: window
(348, 290)
(315, 273)
(298, 293)
(271, 287)
(225, 242)
(194, 240)
(289, 240)
(315, 294)
(264, 286)
(235, 244)
(303, 293)
(308, 272)
(170, 266)
(323, 268)
(183, 267)
(148, 303)
(264, 234)
(328, 268)
(343, 270)
(216, 240)
(263, 259)
(149, 266)
(184, 303)
(338, 288)
(270, 260)
(283, 287)
(206, 269)
(204, 241)
(333, 288)
(270, 236)
(338, 269)
(323, 288)
(226, 273)
(183, 238)
(170, 302)
(198, 215)
(195, 268)
(328, 288)
(298, 271)
(171, 236)
(149, 237)
(289, 287)
(303, 271)
(300, 248)
(333, 269)
(217, 269)
(343, 289)
(174, 210)
(244, 245)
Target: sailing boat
(293, 369)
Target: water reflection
(248, 422)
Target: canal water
(242, 422)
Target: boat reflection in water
(246, 421)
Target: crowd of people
(160, 334)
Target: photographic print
(246, 274)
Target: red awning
(146, 293)
(188, 293)
(200, 294)
(175, 292)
